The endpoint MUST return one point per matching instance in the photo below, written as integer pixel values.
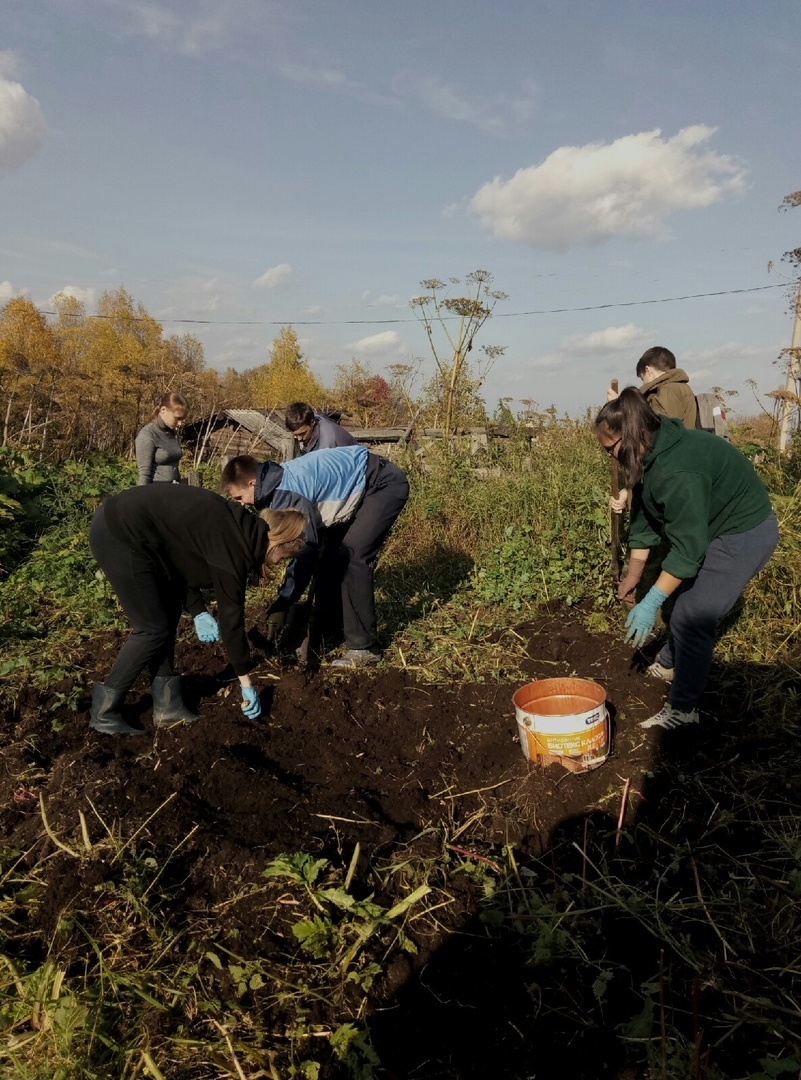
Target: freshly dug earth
(374, 758)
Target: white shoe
(670, 718)
(354, 658)
(659, 671)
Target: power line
(412, 319)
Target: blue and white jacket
(327, 487)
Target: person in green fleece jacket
(706, 498)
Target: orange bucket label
(563, 718)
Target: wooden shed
(230, 432)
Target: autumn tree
(365, 395)
(285, 377)
(30, 365)
(89, 382)
(451, 324)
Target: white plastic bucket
(565, 721)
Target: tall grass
(486, 539)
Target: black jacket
(198, 540)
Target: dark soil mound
(376, 759)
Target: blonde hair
(285, 527)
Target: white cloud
(208, 26)
(376, 344)
(22, 124)
(7, 291)
(330, 77)
(318, 75)
(197, 297)
(729, 354)
(9, 64)
(85, 296)
(274, 276)
(588, 194)
(600, 349)
(315, 309)
(497, 115)
(612, 339)
(384, 300)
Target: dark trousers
(151, 602)
(702, 601)
(385, 496)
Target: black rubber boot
(105, 714)
(168, 702)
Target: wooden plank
(615, 518)
(394, 434)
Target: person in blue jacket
(314, 431)
(345, 487)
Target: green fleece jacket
(695, 487)
(670, 395)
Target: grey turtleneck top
(158, 452)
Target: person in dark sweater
(314, 431)
(159, 546)
(707, 500)
(158, 451)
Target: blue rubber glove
(641, 618)
(251, 706)
(206, 627)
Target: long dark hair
(632, 420)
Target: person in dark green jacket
(707, 500)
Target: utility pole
(793, 376)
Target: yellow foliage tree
(30, 369)
(90, 382)
(285, 377)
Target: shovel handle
(615, 518)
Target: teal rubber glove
(641, 618)
(251, 706)
(206, 627)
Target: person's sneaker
(670, 718)
(354, 658)
(659, 671)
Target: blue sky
(258, 162)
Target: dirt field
(336, 759)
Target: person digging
(716, 516)
(351, 500)
(158, 546)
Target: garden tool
(615, 517)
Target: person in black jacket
(158, 545)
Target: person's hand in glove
(631, 579)
(251, 706)
(640, 620)
(619, 502)
(276, 620)
(206, 627)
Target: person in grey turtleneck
(158, 450)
